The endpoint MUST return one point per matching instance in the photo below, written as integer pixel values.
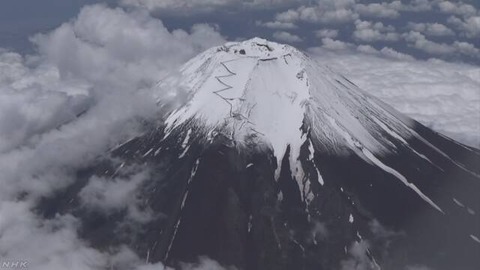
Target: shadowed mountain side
(223, 202)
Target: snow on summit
(277, 93)
(271, 94)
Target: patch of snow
(403, 141)
(187, 138)
(374, 160)
(458, 202)
(402, 178)
(249, 223)
(474, 238)
(185, 196)
(185, 145)
(319, 176)
(148, 152)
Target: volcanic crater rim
(257, 48)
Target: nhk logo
(13, 264)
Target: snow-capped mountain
(277, 162)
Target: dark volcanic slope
(276, 163)
(234, 210)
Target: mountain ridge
(276, 162)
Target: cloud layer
(443, 96)
(448, 30)
(81, 94)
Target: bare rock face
(276, 162)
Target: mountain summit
(275, 161)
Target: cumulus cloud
(44, 244)
(456, 7)
(431, 29)
(113, 194)
(286, 37)
(332, 44)
(385, 52)
(326, 33)
(469, 27)
(466, 48)
(288, 16)
(199, 6)
(120, 45)
(34, 102)
(419, 5)
(325, 12)
(380, 10)
(369, 32)
(277, 25)
(83, 93)
(420, 42)
(443, 96)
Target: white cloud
(83, 93)
(335, 45)
(324, 12)
(457, 8)
(277, 25)
(358, 258)
(470, 27)
(44, 244)
(319, 232)
(381, 232)
(99, 61)
(419, 5)
(380, 10)
(118, 193)
(120, 45)
(385, 51)
(431, 29)
(369, 32)
(320, 15)
(420, 42)
(286, 37)
(288, 16)
(443, 96)
(198, 6)
(466, 48)
(326, 33)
